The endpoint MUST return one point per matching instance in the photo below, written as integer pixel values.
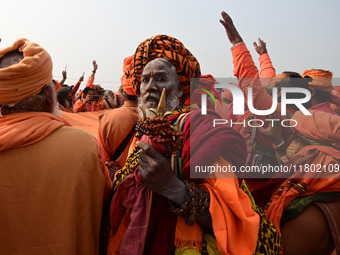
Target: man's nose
(151, 85)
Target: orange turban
(171, 49)
(322, 80)
(125, 80)
(29, 76)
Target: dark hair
(322, 96)
(293, 79)
(62, 94)
(127, 96)
(87, 90)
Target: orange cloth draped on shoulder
(38, 158)
(33, 126)
(114, 126)
(235, 223)
(322, 127)
(29, 76)
(171, 49)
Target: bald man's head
(11, 58)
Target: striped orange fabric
(171, 49)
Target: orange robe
(234, 222)
(52, 193)
(114, 126)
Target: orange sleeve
(79, 106)
(90, 81)
(248, 76)
(235, 224)
(266, 67)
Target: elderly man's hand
(156, 172)
(230, 29)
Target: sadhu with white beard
(157, 208)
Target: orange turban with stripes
(171, 49)
(125, 80)
(27, 77)
(322, 80)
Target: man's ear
(49, 94)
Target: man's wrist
(263, 52)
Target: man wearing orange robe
(141, 218)
(90, 100)
(317, 145)
(117, 127)
(52, 193)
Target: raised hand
(261, 47)
(95, 65)
(64, 73)
(232, 33)
(81, 78)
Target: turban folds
(27, 77)
(171, 49)
(125, 80)
(322, 80)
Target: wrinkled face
(158, 74)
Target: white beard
(172, 103)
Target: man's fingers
(144, 146)
(148, 150)
(255, 44)
(222, 22)
(226, 17)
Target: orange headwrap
(322, 80)
(125, 80)
(171, 49)
(26, 78)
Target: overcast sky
(299, 34)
